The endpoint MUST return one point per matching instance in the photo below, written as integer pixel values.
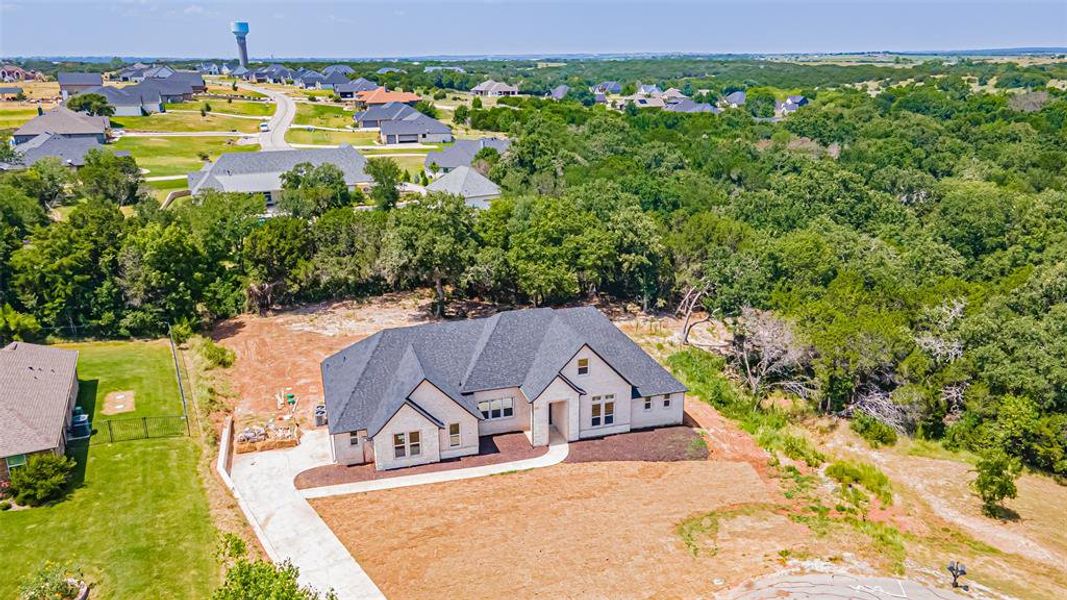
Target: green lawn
(179, 122)
(322, 115)
(237, 107)
(137, 520)
(13, 118)
(411, 164)
(226, 90)
(177, 155)
(296, 135)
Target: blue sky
(373, 28)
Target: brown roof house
(40, 387)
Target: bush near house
(42, 479)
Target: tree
(769, 354)
(275, 257)
(43, 478)
(429, 241)
(427, 108)
(161, 274)
(105, 175)
(995, 480)
(461, 114)
(347, 246)
(386, 174)
(93, 104)
(48, 180)
(310, 191)
(476, 103)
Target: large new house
(63, 122)
(494, 89)
(381, 95)
(70, 151)
(417, 395)
(261, 172)
(40, 387)
(73, 83)
(475, 189)
(416, 128)
(461, 154)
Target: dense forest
(903, 255)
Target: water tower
(240, 31)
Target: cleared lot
(606, 530)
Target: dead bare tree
(879, 405)
(768, 354)
(938, 337)
(692, 298)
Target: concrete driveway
(284, 113)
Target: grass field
(180, 122)
(411, 164)
(297, 135)
(237, 107)
(322, 115)
(177, 155)
(14, 115)
(137, 521)
(226, 90)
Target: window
(603, 410)
(453, 434)
(353, 439)
(406, 444)
(666, 401)
(497, 409)
(16, 461)
(583, 366)
(648, 403)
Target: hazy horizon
(422, 28)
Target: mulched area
(493, 449)
(663, 444)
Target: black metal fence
(140, 428)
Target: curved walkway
(291, 530)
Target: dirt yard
(280, 353)
(119, 402)
(604, 530)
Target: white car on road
(264, 126)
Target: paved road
(280, 122)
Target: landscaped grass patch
(144, 368)
(178, 155)
(322, 115)
(13, 118)
(298, 135)
(185, 122)
(137, 524)
(220, 105)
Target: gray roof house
(607, 87)
(435, 68)
(467, 183)
(735, 99)
(494, 88)
(63, 122)
(342, 69)
(559, 92)
(418, 395)
(380, 113)
(414, 128)
(135, 100)
(261, 172)
(689, 106)
(648, 89)
(72, 83)
(69, 151)
(461, 154)
(331, 80)
(385, 70)
(40, 386)
(308, 78)
(348, 91)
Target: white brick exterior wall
(406, 420)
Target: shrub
(996, 480)
(181, 332)
(41, 479)
(216, 355)
(866, 475)
(51, 582)
(874, 431)
(5, 505)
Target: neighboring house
(647, 90)
(416, 395)
(209, 68)
(644, 101)
(348, 91)
(791, 104)
(132, 101)
(261, 172)
(381, 95)
(342, 69)
(63, 122)
(734, 99)
(416, 128)
(386, 70)
(559, 92)
(332, 80)
(688, 106)
(271, 74)
(6, 92)
(139, 72)
(607, 87)
(461, 154)
(673, 95)
(308, 79)
(13, 73)
(471, 185)
(374, 116)
(70, 151)
(433, 69)
(494, 88)
(40, 387)
(600, 99)
(73, 83)
(240, 71)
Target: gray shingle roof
(390, 111)
(462, 152)
(261, 171)
(468, 183)
(64, 121)
(342, 69)
(37, 382)
(737, 98)
(356, 85)
(366, 383)
(335, 78)
(137, 95)
(496, 87)
(68, 150)
(559, 92)
(688, 106)
(79, 79)
(416, 123)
